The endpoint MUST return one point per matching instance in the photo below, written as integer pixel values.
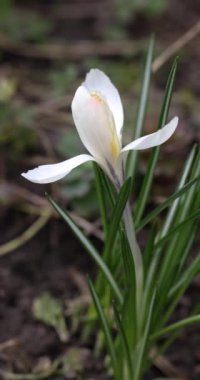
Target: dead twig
(10, 343)
(166, 367)
(25, 236)
(9, 192)
(175, 47)
(78, 278)
(76, 51)
(88, 227)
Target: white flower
(98, 116)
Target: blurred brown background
(46, 47)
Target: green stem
(137, 257)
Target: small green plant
(48, 310)
(136, 292)
(14, 129)
(125, 10)
(23, 26)
(61, 80)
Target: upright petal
(52, 173)
(96, 127)
(154, 139)
(98, 82)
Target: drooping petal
(154, 139)
(51, 173)
(95, 125)
(98, 82)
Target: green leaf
(177, 228)
(177, 244)
(186, 277)
(102, 192)
(49, 310)
(116, 216)
(133, 156)
(177, 250)
(174, 206)
(149, 251)
(106, 196)
(129, 267)
(176, 326)
(168, 278)
(166, 203)
(89, 248)
(107, 186)
(106, 330)
(124, 343)
(146, 185)
(129, 311)
(176, 292)
(151, 265)
(139, 367)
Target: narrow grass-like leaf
(166, 203)
(177, 244)
(168, 279)
(116, 216)
(129, 267)
(149, 251)
(186, 277)
(101, 193)
(177, 227)
(133, 156)
(146, 185)
(124, 343)
(172, 211)
(179, 288)
(129, 313)
(187, 249)
(188, 201)
(176, 252)
(106, 330)
(89, 248)
(107, 196)
(105, 183)
(144, 342)
(150, 282)
(176, 326)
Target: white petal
(154, 139)
(52, 173)
(98, 82)
(96, 127)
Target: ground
(38, 86)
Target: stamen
(97, 97)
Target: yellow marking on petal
(96, 97)
(115, 148)
(115, 144)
